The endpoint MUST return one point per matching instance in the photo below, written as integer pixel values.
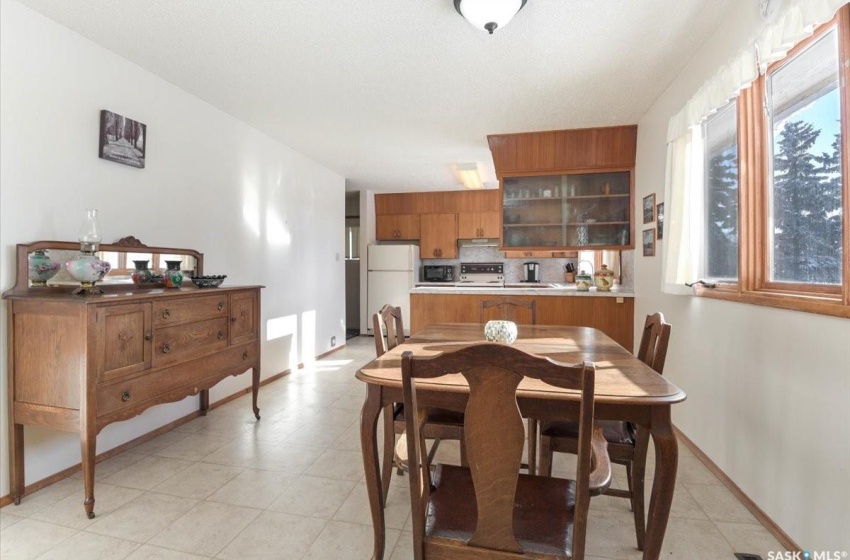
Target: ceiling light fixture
(469, 175)
(488, 14)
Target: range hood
(478, 242)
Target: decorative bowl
(208, 281)
(500, 331)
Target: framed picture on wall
(649, 209)
(659, 216)
(122, 140)
(649, 242)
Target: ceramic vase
(41, 268)
(583, 281)
(172, 276)
(141, 275)
(604, 279)
(87, 270)
(500, 331)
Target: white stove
(485, 275)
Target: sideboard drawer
(173, 383)
(167, 313)
(183, 342)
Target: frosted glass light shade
(488, 15)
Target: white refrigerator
(393, 270)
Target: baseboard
(768, 523)
(63, 474)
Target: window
(774, 192)
(805, 202)
(720, 141)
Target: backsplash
(551, 270)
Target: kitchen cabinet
(476, 225)
(541, 254)
(568, 210)
(438, 236)
(397, 227)
(612, 315)
(78, 363)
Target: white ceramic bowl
(500, 331)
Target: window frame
(754, 285)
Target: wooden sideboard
(80, 362)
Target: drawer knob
(220, 305)
(125, 396)
(245, 355)
(166, 314)
(220, 335)
(166, 348)
(148, 336)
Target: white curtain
(683, 251)
(790, 26)
(683, 208)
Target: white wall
(768, 389)
(260, 213)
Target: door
(244, 317)
(392, 257)
(124, 340)
(389, 287)
(397, 227)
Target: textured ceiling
(391, 93)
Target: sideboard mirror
(120, 256)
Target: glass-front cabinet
(569, 210)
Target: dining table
(626, 389)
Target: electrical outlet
(333, 341)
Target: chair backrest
(509, 309)
(388, 327)
(653, 342)
(493, 432)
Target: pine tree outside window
(805, 195)
(720, 141)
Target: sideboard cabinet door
(243, 317)
(124, 340)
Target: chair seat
(543, 513)
(614, 431)
(435, 416)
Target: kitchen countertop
(542, 289)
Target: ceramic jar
(87, 269)
(41, 268)
(500, 331)
(604, 279)
(142, 274)
(172, 276)
(583, 281)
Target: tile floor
(291, 487)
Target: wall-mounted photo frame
(649, 209)
(659, 217)
(649, 242)
(122, 140)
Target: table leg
(88, 445)
(638, 473)
(255, 388)
(369, 446)
(16, 462)
(532, 446)
(205, 402)
(666, 462)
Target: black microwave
(438, 273)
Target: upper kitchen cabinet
(561, 150)
(439, 236)
(397, 227)
(566, 189)
(477, 225)
(576, 210)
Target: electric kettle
(532, 272)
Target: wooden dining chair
(627, 445)
(523, 312)
(388, 326)
(509, 309)
(489, 510)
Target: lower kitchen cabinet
(612, 315)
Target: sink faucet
(589, 263)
